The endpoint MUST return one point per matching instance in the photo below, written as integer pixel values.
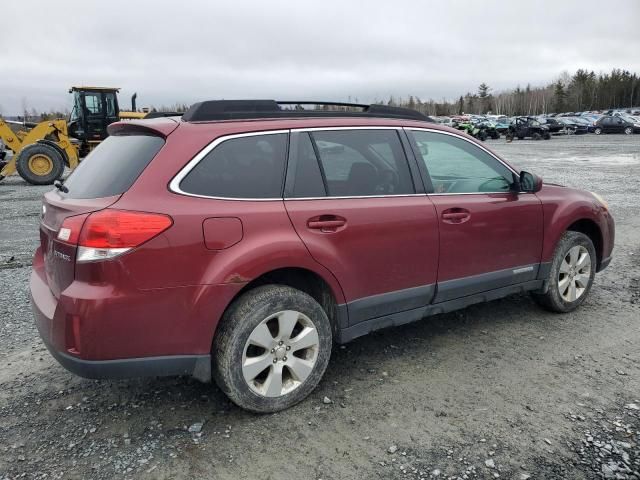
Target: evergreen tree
(559, 96)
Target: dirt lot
(500, 390)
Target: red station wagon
(240, 241)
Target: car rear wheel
(628, 131)
(573, 269)
(598, 131)
(546, 136)
(536, 136)
(272, 348)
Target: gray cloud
(183, 52)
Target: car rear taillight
(70, 230)
(108, 233)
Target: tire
(40, 164)
(598, 131)
(520, 137)
(562, 302)
(509, 137)
(482, 136)
(546, 136)
(628, 131)
(495, 135)
(252, 319)
(536, 136)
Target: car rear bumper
(91, 335)
(44, 307)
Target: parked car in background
(502, 125)
(611, 124)
(552, 124)
(523, 127)
(571, 126)
(240, 251)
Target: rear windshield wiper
(60, 186)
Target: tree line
(582, 91)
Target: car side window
(303, 169)
(245, 167)
(362, 162)
(456, 165)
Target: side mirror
(530, 182)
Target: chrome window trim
(174, 185)
(356, 197)
(318, 129)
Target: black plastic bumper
(197, 366)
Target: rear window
(244, 167)
(112, 167)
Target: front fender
(563, 207)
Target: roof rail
(212, 110)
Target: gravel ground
(500, 390)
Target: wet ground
(500, 390)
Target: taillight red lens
(70, 229)
(121, 228)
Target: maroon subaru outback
(240, 241)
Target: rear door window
(246, 167)
(362, 162)
(112, 167)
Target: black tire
(598, 131)
(509, 137)
(552, 300)
(520, 137)
(628, 131)
(536, 136)
(43, 153)
(495, 135)
(546, 136)
(482, 136)
(238, 323)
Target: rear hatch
(98, 182)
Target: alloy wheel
(280, 353)
(575, 273)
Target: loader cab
(94, 108)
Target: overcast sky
(186, 51)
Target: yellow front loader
(42, 150)
(40, 153)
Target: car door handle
(326, 223)
(456, 215)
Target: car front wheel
(598, 131)
(573, 269)
(628, 131)
(272, 348)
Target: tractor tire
(40, 164)
(536, 136)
